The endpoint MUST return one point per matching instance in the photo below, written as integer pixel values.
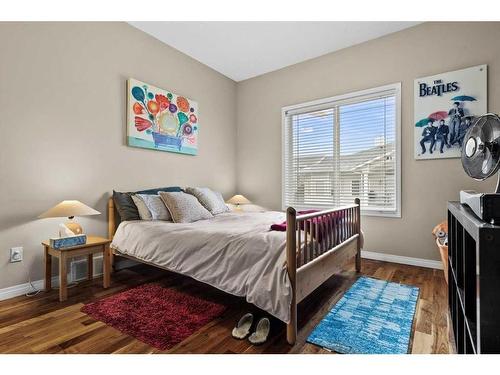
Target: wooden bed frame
(309, 262)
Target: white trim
(427, 263)
(336, 98)
(394, 87)
(283, 140)
(21, 289)
(17, 290)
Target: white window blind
(341, 148)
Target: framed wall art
(446, 105)
(161, 120)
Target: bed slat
(312, 261)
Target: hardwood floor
(42, 324)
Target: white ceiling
(242, 50)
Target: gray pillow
(210, 199)
(155, 205)
(184, 208)
(144, 212)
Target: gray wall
(423, 50)
(62, 121)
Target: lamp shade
(238, 199)
(69, 209)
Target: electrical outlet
(16, 254)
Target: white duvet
(234, 252)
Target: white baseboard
(427, 263)
(21, 289)
(18, 290)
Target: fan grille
(481, 150)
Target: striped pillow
(156, 207)
(144, 212)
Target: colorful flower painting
(161, 120)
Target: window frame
(333, 100)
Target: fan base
(485, 206)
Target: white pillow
(156, 207)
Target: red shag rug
(159, 316)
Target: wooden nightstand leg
(48, 270)
(90, 266)
(112, 260)
(106, 266)
(63, 278)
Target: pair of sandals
(242, 329)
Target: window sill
(393, 215)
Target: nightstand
(94, 245)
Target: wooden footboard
(317, 246)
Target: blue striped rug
(373, 317)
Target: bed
(238, 254)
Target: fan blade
(487, 162)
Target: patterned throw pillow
(155, 205)
(184, 208)
(144, 212)
(211, 200)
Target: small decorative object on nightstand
(94, 245)
(70, 209)
(237, 200)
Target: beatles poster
(446, 105)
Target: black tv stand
(473, 281)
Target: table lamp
(238, 200)
(70, 209)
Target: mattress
(234, 252)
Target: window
(344, 147)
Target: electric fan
(481, 159)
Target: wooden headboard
(112, 222)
